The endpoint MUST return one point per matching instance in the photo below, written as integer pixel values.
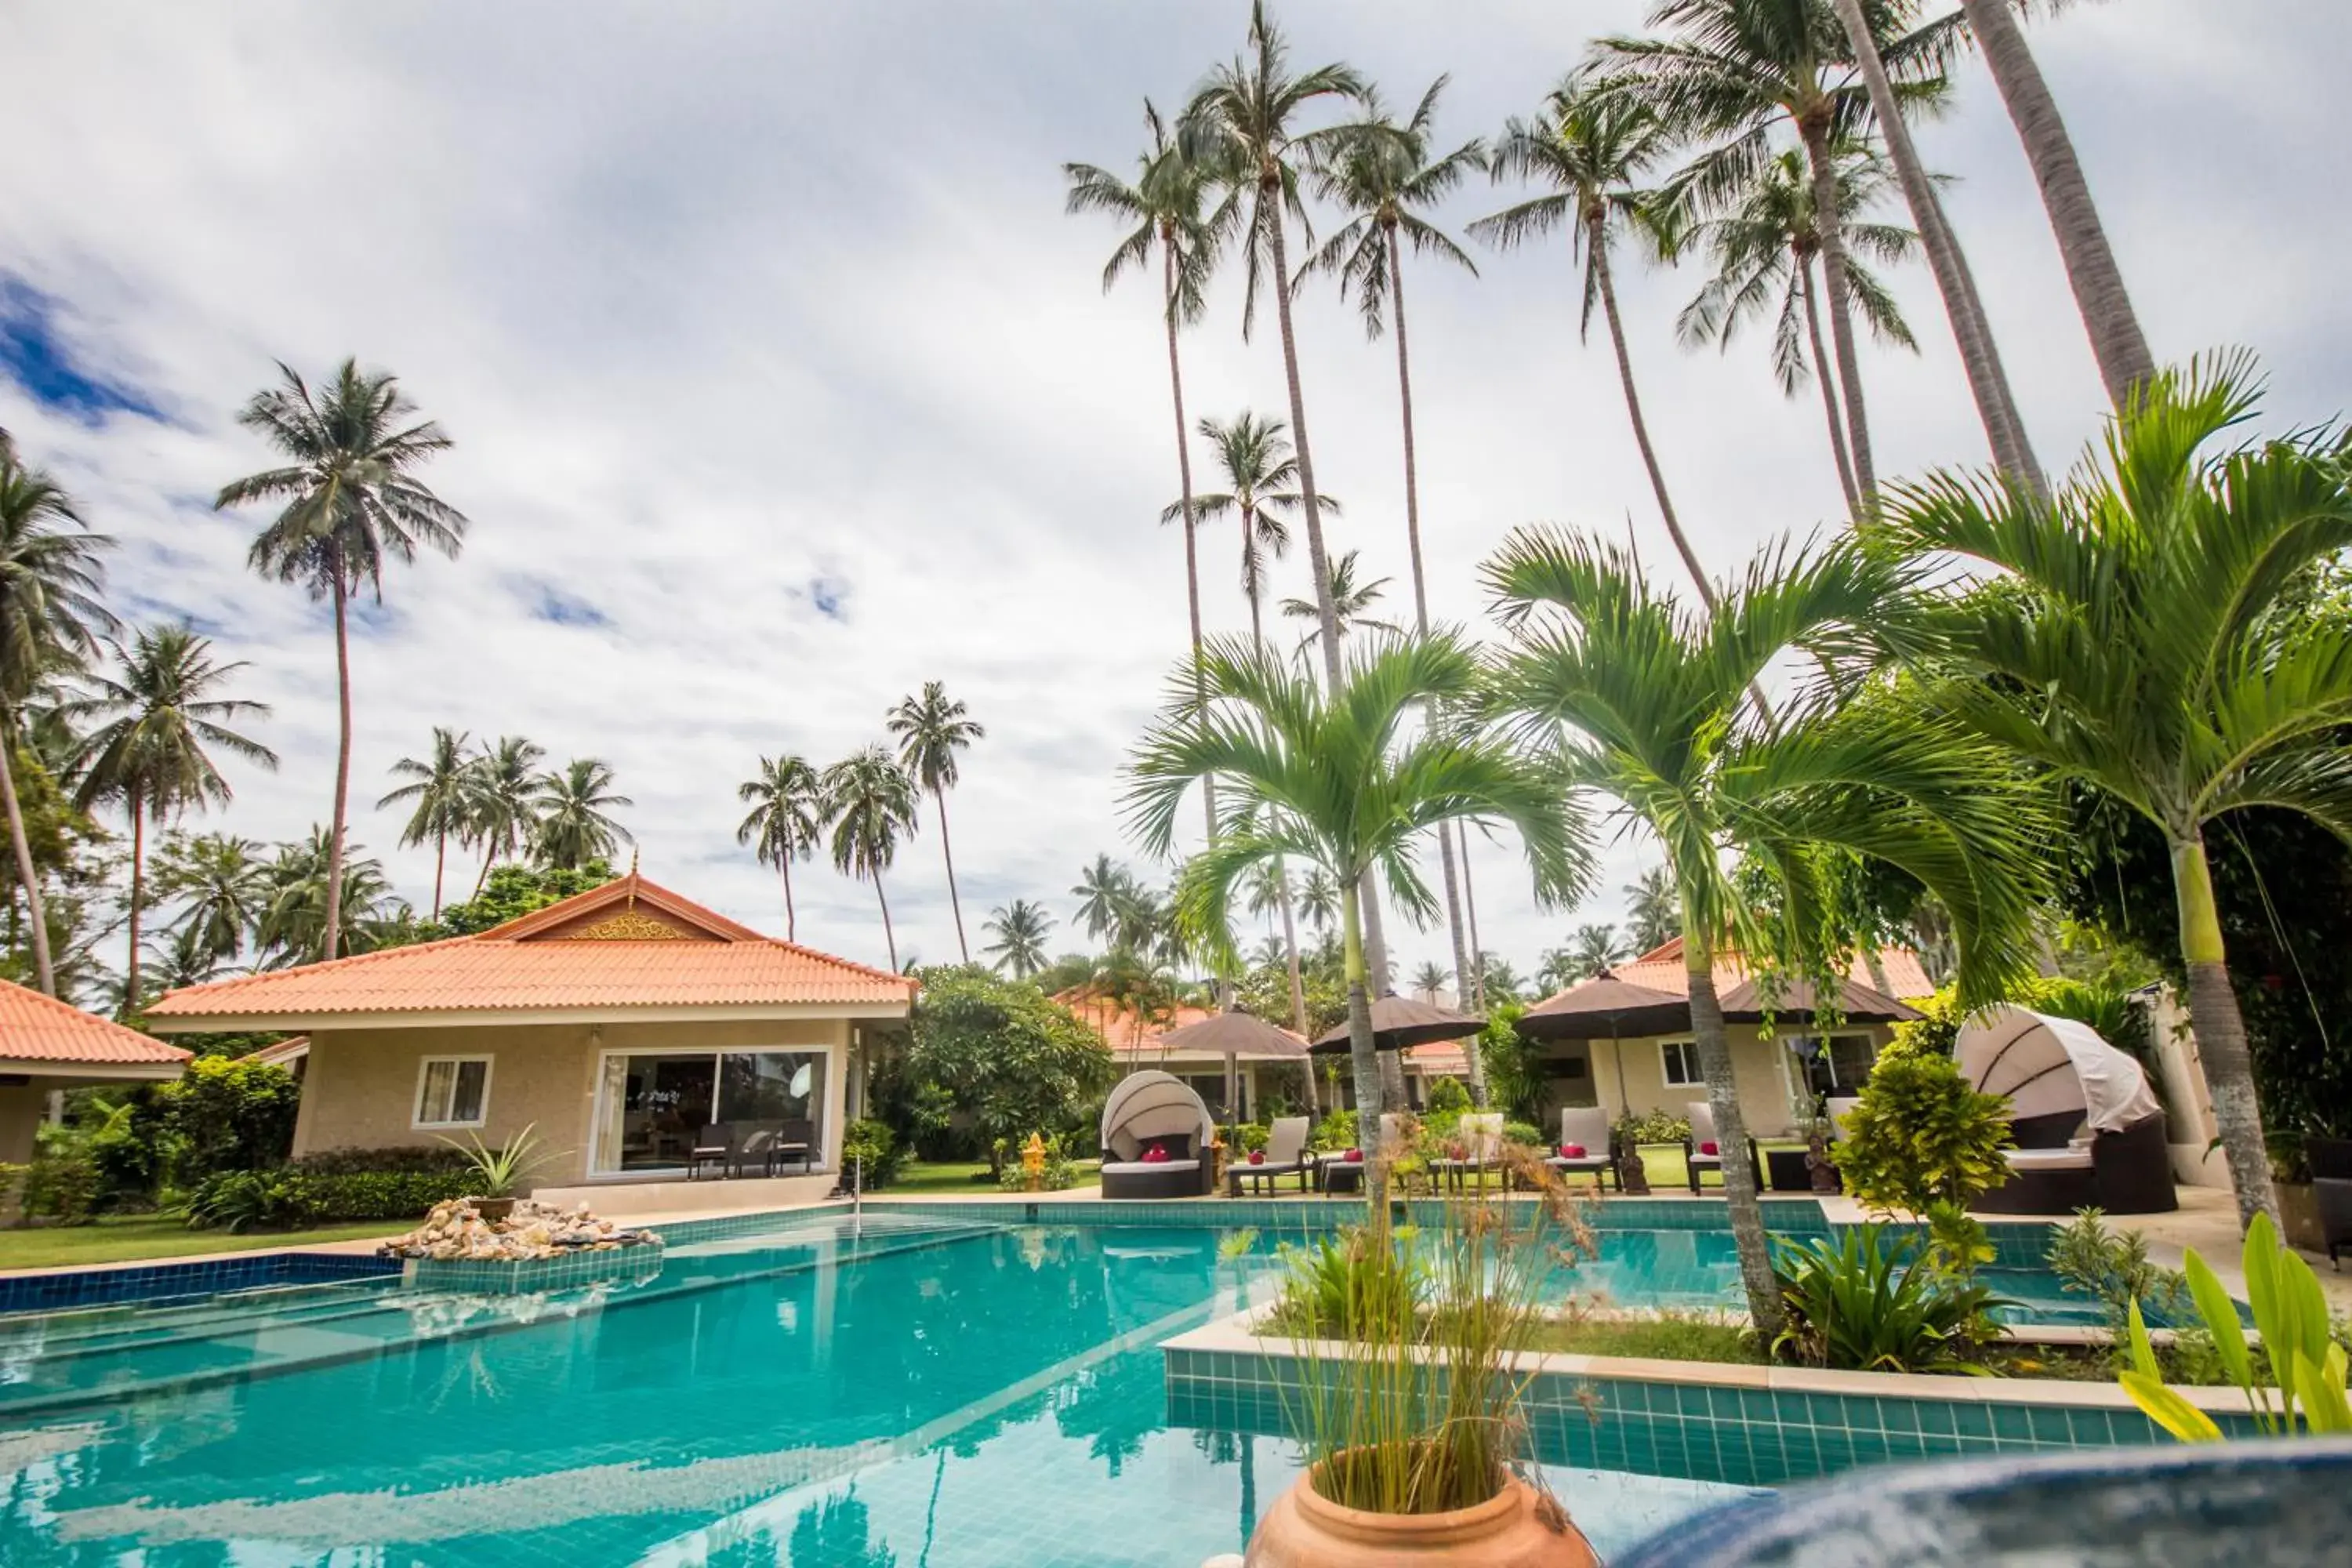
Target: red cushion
(1709, 1148)
(1155, 1154)
(1356, 1157)
(1257, 1156)
(1571, 1151)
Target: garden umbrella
(1234, 1034)
(1579, 1013)
(1853, 1003)
(1399, 1021)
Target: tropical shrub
(1865, 1302)
(12, 1190)
(1934, 1032)
(1012, 1060)
(1526, 1134)
(1361, 1284)
(1060, 1171)
(495, 1173)
(1514, 1081)
(1336, 1132)
(63, 1184)
(226, 1114)
(1251, 1135)
(2113, 1269)
(290, 1197)
(1652, 1127)
(405, 1157)
(881, 1156)
(1445, 1094)
(1919, 1135)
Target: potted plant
(1409, 1404)
(499, 1170)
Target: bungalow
(1651, 1064)
(46, 1045)
(621, 1023)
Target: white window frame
(1666, 1077)
(416, 1096)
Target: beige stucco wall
(21, 1106)
(1757, 1069)
(360, 1087)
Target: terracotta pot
(1304, 1530)
(492, 1210)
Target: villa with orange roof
(46, 1045)
(627, 1026)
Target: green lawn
(125, 1237)
(924, 1176)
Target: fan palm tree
(1651, 704)
(2137, 643)
(786, 821)
(1653, 908)
(222, 888)
(1764, 252)
(1262, 473)
(573, 821)
(353, 502)
(440, 807)
(931, 729)
(1101, 888)
(1351, 603)
(50, 620)
(2098, 283)
(1334, 780)
(502, 800)
(1019, 929)
(870, 802)
(1971, 328)
(147, 749)
(1733, 72)
(293, 927)
(1173, 207)
(1242, 122)
(1590, 152)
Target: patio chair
(755, 1144)
(1586, 1127)
(714, 1148)
(1286, 1155)
(1480, 1133)
(793, 1144)
(1148, 1110)
(1701, 1132)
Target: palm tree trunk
(342, 770)
(37, 916)
(1420, 610)
(792, 921)
(1822, 373)
(947, 852)
(1731, 1137)
(2221, 1031)
(889, 937)
(1475, 984)
(1362, 1057)
(2098, 283)
(1192, 546)
(1830, 231)
(1596, 241)
(440, 862)
(138, 895)
(482, 877)
(1297, 977)
(1988, 382)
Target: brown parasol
(1604, 1002)
(1399, 1021)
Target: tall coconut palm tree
(293, 927)
(1318, 899)
(50, 620)
(2137, 643)
(1351, 603)
(1432, 979)
(1384, 176)
(502, 800)
(1335, 781)
(869, 799)
(931, 729)
(1263, 474)
(786, 821)
(574, 818)
(1019, 929)
(1596, 947)
(2098, 283)
(1243, 122)
(437, 793)
(222, 886)
(1590, 152)
(146, 749)
(1650, 705)
(352, 504)
(1764, 252)
(1101, 890)
(1971, 328)
(1732, 73)
(1652, 909)
(1172, 204)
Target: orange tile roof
(37, 1028)
(629, 945)
(1662, 969)
(1118, 1025)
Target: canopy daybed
(2088, 1128)
(1155, 1138)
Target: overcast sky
(781, 384)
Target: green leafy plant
(1919, 1135)
(2113, 1269)
(1652, 1127)
(2297, 1384)
(1359, 1284)
(289, 1196)
(1526, 1134)
(1866, 1301)
(1446, 1094)
(1336, 1132)
(498, 1171)
(876, 1150)
(1251, 1135)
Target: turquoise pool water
(912, 1396)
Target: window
(452, 1092)
(1837, 1065)
(1682, 1063)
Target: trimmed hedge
(290, 1197)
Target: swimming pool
(918, 1393)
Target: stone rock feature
(455, 1230)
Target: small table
(1789, 1171)
(1340, 1175)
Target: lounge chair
(1701, 1132)
(2059, 1165)
(1586, 1126)
(1480, 1134)
(1286, 1155)
(1152, 1111)
(715, 1147)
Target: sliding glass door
(654, 1107)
